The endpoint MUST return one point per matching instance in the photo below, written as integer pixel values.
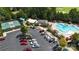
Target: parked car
(65, 49)
(57, 48)
(35, 44)
(23, 43)
(21, 36)
(1, 39)
(48, 38)
(29, 36)
(41, 31)
(28, 49)
(23, 40)
(34, 39)
(30, 40)
(24, 36)
(31, 43)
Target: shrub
(62, 42)
(1, 32)
(24, 29)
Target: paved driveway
(44, 45)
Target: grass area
(65, 9)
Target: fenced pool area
(66, 27)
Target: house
(42, 22)
(32, 21)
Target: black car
(50, 41)
(24, 36)
(21, 36)
(65, 49)
(57, 48)
(29, 37)
(41, 31)
(77, 43)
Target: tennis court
(10, 25)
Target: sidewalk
(12, 30)
(48, 33)
(69, 48)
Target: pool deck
(66, 31)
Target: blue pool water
(65, 27)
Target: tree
(1, 32)
(75, 36)
(20, 14)
(40, 13)
(62, 41)
(24, 29)
(59, 16)
(73, 13)
(51, 14)
(6, 13)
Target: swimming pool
(63, 27)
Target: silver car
(35, 44)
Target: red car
(1, 39)
(23, 43)
(23, 40)
(27, 49)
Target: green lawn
(65, 9)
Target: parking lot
(44, 45)
(11, 43)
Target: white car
(48, 38)
(30, 40)
(35, 42)
(37, 45)
(33, 46)
(33, 39)
(31, 43)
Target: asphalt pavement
(44, 45)
(11, 43)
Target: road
(44, 45)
